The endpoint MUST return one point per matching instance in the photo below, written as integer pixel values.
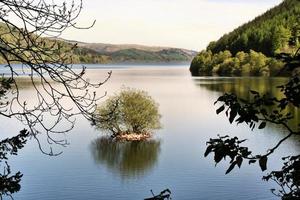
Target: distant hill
(133, 53)
(109, 48)
(264, 46)
(107, 53)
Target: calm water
(92, 167)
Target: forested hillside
(278, 30)
(67, 52)
(132, 53)
(249, 49)
(162, 56)
(90, 53)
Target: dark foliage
(10, 183)
(12, 145)
(287, 177)
(259, 111)
(164, 195)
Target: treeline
(162, 56)
(88, 56)
(242, 64)
(276, 31)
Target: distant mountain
(132, 53)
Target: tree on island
(24, 26)
(259, 111)
(130, 112)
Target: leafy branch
(257, 112)
(10, 183)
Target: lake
(92, 167)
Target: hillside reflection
(128, 159)
(242, 86)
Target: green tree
(242, 56)
(280, 38)
(202, 63)
(275, 66)
(242, 64)
(129, 112)
(257, 62)
(226, 67)
(295, 40)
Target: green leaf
(262, 125)
(263, 163)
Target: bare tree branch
(47, 64)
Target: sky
(189, 24)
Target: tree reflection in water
(242, 85)
(129, 159)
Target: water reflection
(28, 83)
(242, 86)
(129, 159)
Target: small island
(130, 115)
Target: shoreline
(132, 137)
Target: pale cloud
(188, 24)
